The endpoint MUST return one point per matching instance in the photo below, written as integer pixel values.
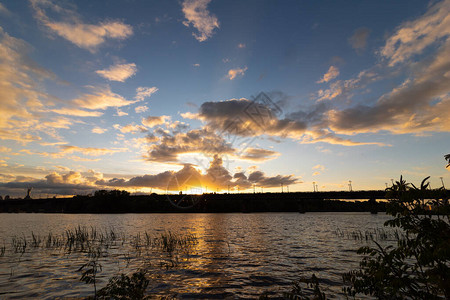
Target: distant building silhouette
(28, 197)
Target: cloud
(84, 159)
(141, 109)
(76, 112)
(4, 10)
(154, 121)
(89, 151)
(145, 92)
(318, 167)
(68, 149)
(21, 94)
(130, 128)
(331, 74)
(73, 29)
(69, 183)
(101, 98)
(215, 176)
(158, 181)
(419, 104)
(258, 154)
(170, 146)
(233, 73)
(345, 89)
(325, 135)
(358, 40)
(413, 37)
(99, 130)
(120, 113)
(418, 51)
(241, 45)
(258, 178)
(246, 118)
(196, 65)
(98, 98)
(197, 15)
(4, 149)
(118, 72)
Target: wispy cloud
(76, 112)
(99, 130)
(4, 149)
(118, 72)
(145, 92)
(21, 93)
(140, 109)
(413, 37)
(197, 15)
(358, 40)
(233, 73)
(89, 151)
(120, 113)
(130, 128)
(4, 10)
(318, 167)
(331, 74)
(73, 29)
(101, 98)
(422, 101)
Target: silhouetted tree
(447, 158)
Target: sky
(210, 96)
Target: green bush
(418, 266)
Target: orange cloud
(73, 29)
(233, 73)
(331, 74)
(145, 92)
(101, 98)
(118, 72)
(197, 15)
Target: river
(235, 255)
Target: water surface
(236, 255)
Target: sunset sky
(166, 95)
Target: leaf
(422, 185)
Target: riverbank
(208, 203)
